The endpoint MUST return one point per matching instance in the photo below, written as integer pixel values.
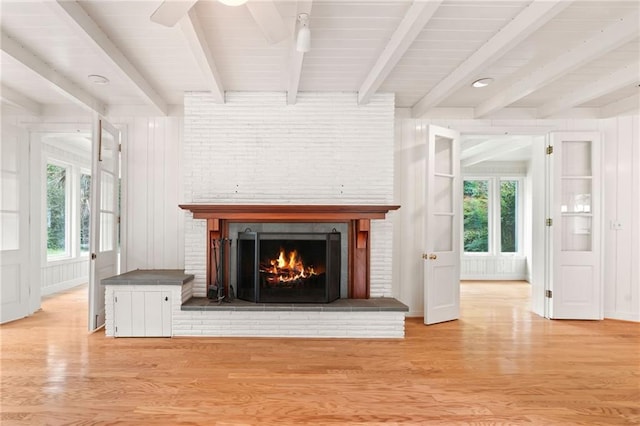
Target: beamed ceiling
(547, 58)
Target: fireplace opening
(288, 267)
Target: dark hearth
(287, 267)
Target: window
(492, 215)
(57, 212)
(85, 212)
(508, 216)
(476, 216)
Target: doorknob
(431, 256)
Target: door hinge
(116, 328)
(549, 150)
(548, 294)
(119, 220)
(119, 147)
(116, 299)
(93, 256)
(549, 222)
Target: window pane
(476, 216)
(56, 210)
(508, 216)
(85, 211)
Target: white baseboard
(623, 316)
(499, 277)
(64, 285)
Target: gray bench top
(149, 277)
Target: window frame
(68, 240)
(494, 215)
(82, 171)
(72, 209)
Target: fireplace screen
(288, 267)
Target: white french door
(14, 225)
(442, 225)
(575, 213)
(104, 216)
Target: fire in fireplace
(288, 267)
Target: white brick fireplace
(256, 149)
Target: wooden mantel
(358, 218)
(287, 211)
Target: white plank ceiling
(548, 58)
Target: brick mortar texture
(256, 149)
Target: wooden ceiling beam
(73, 13)
(417, 16)
(620, 79)
(192, 30)
(58, 81)
(602, 42)
(169, 13)
(296, 58)
(491, 149)
(269, 20)
(628, 105)
(519, 28)
(19, 100)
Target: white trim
(64, 285)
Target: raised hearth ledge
(378, 304)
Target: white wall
(622, 205)
(622, 192)
(256, 149)
(153, 224)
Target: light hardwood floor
(498, 364)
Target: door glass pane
(443, 194)
(108, 151)
(107, 224)
(106, 191)
(85, 211)
(475, 205)
(576, 233)
(56, 210)
(442, 233)
(576, 196)
(508, 216)
(9, 231)
(443, 155)
(576, 158)
(9, 187)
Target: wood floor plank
(498, 365)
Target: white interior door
(14, 225)
(442, 227)
(104, 216)
(575, 287)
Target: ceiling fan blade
(269, 20)
(171, 11)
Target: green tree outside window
(56, 210)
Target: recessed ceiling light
(98, 79)
(233, 2)
(482, 82)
